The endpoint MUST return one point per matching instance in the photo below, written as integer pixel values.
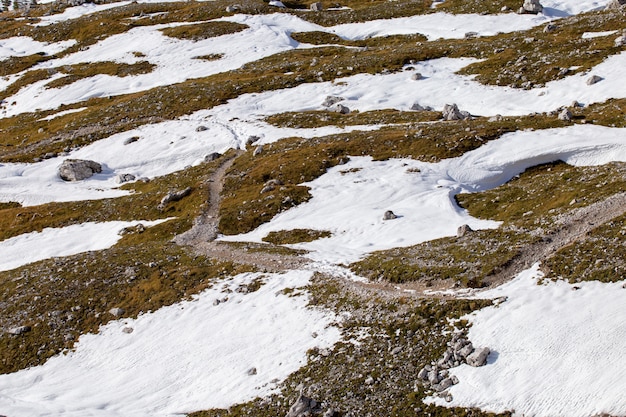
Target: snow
(189, 356)
(591, 35)
(64, 241)
(349, 200)
(19, 46)
(555, 351)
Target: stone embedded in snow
(78, 169)
(201, 128)
(417, 76)
(452, 112)
(341, 109)
(332, 100)
(531, 7)
(122, 178)
(116, 311)
(594, 79)
(19, 330)
(316, 7)
(478, 357)
(252, 371)
(389, 215)
(131, 140)
(565, 115)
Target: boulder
(78, 169)
(531, 7)
(594, 79)
(122, 178)
(303, 407)
(341, 109)
(389, 215)
(565, 115)
(116, 311)
(418, 107)
(201, 128)
(19, 330)
(452, 112)
(233, 8)
(317, 6)
(174, 196)
(417, 76)
(258, 150)
(463, 230)
(478, 357)
(332, 100)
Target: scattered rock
(303, 407)
(550, 27)
(258, 151)
(251, 371)
(594, 79)
(531, 7)
(565, 115)
(78, 169)
(471, 35)
(201, 128)
(138, 228)
(19, 330)
(418, 107)
(212, 156)
(317, 6)
(463, 230)
(332, 100)
(131, 140)
(233, 8)
(417, 76)
(616, 4)
(452, 112)
(389, 215)
(478, 357)
(341, 109)
(173, 196)
(369, 380)
(122, 178)
(128, 330)
(116, 311)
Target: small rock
(594, 79)
(463, 230)
(466, 350)
(173, 196)
(233, 8)
(454, 379)
(216, 302)
(122, 178)
(332, 100)
(78, 169)
(341, 109)
(251, 371)
(531, 7)
(316, 7)
(19, 330)
(258, 151)
(252, 139)
(369, 380)
(452, 112)
(565, 115)
(389, 215)
(128, 330)
(212, 156)
(303, 407)
(396, 350)
(550, 27)
(423, 374)
(201, 128)
(116, 311)
(131, 140)
(417, 76)
(446, 383)
(478, 357)
(471, 35)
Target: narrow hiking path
(569, 228)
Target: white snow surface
(24, 46)
(556, 351)
(52, 242)
(190, 356)
(351, 204)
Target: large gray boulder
(531, 7)
(78, 169)
(452, 112)
(478, 357)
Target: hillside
(360, 208)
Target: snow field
(65, 241)
(350, 200)
(188, 356)
(556, 350)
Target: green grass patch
(204, 30)
(460, 262)
(286, 237)
(80, 71)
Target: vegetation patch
(601, 256)
(450, 261)
(210, 57)
(372, 371)
(286, 237)
(204, 30)
(14, 64)
(80, 71)
(311, 119)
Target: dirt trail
(201, 237)
(572, 227)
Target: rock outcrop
(78, 169)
